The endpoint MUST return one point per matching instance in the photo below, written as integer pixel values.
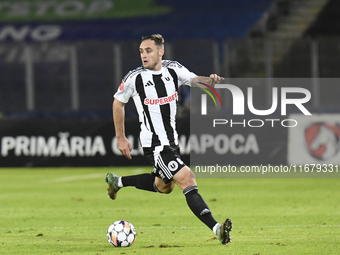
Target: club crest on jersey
(161, 101)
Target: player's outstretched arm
(118, 118)
(199, 81)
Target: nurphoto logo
(238, 106)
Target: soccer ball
(121, 234)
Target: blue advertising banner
(108, 19)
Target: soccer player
(154, 89)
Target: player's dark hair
(157, 38)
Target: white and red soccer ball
(121, 234)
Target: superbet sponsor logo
(161, 101)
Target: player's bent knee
(164, 188)
(185, 178)
(165, 191)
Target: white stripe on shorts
(165, 169)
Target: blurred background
(61, 61)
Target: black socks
(198, 206)
(140, 181)
(194, 199)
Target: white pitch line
(75, 178)
(181, 227)
(86, 177)
(140, 170)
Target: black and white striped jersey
(155, 94)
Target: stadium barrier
(92, 142)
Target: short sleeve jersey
(155, 94)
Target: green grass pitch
(67, 211)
